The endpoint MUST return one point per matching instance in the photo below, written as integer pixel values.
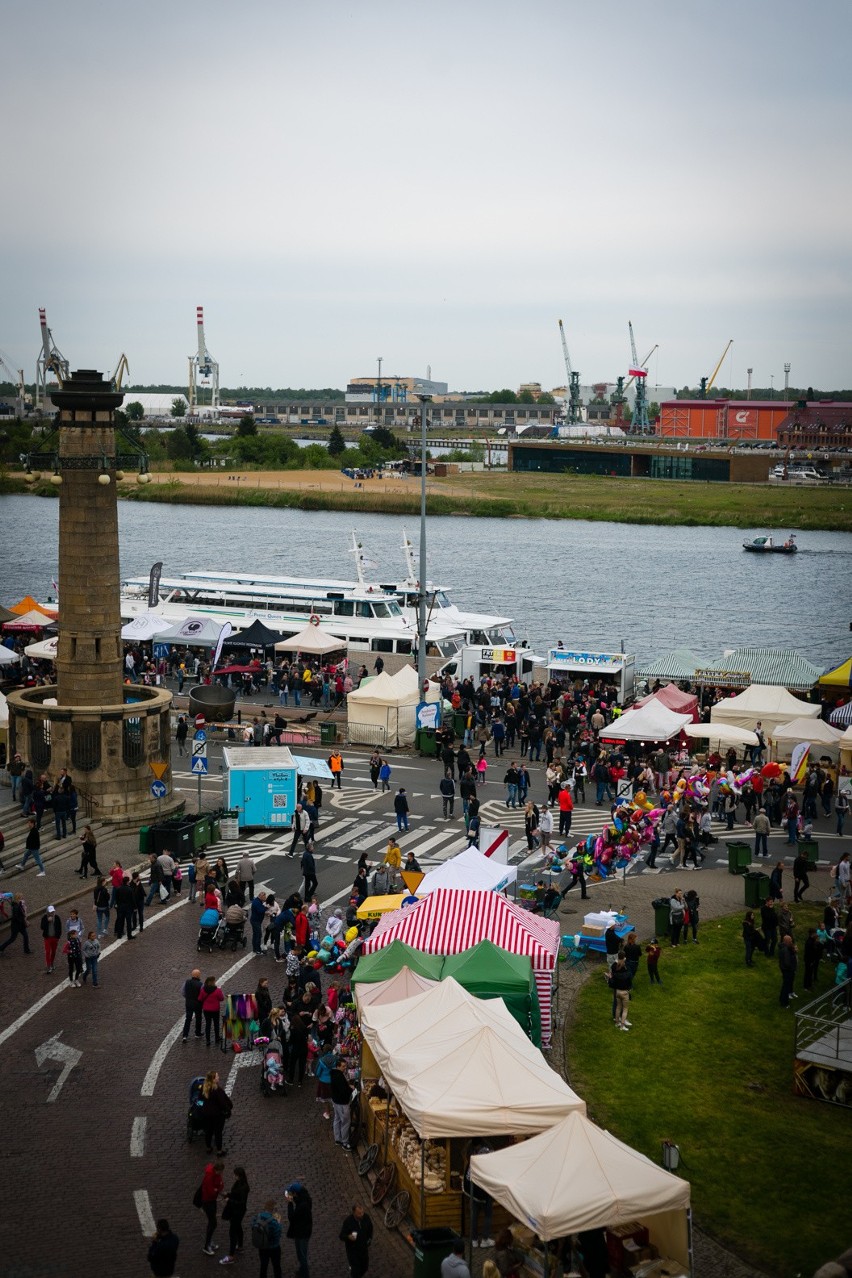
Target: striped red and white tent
(450, 920)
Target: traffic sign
(159, 769)
(158, 789)
(200, 735)
(200, 721)
(199, 765)
(199, 749)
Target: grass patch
(709, 1065)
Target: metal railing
(824, 1018)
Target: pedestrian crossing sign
(199, 765)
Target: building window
(133, 744)
(85, 746)
(40, 743)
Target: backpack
(263, 1233)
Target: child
(91, 953)
(177, 880)
(73, 951)
(652, 953)
(385, 775)
(481, 769)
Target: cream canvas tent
(721, 734)
(145, 625)
(762, 703)
(8, 657)
(845, 744)
(576, 1176)
(382, 710)
(469, 869)
(821, 735)
(654, 722)
(313, 641)
(405, 984)
(462, 1067)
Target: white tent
(44, 650)
(653, 722)
(575, 1176)
(312, 640)
(145, 625)
(469, 869)
(405, 984)
(464, 1067)
(721, 734)
(382, 710)
(845, 744)
(762, 703)
(194, 631)
(4, 712)
(820, 734)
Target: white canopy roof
(652, 722)
(405, 984)
(817, 732)
(145, 625)
(576, 1176)
(8, 657)
(44, 650)
(313, 640)
(462, 1067)
(195, 631)
(762, 703)
(469, 869)
(379, 691)
(721, 734)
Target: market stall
(653, 722)
(574, 1177)
(824, 739)
(193, 632)
(672, 697)
(383, 963)
(488, 972)
(405, 984)
(765, 704)
(448, 921)
(471, 870)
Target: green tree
(135, 411)
(526, 397)
(178, 408)
(179, 445)
(546, 398)
(336, 442)
(384, 439)
(653, 411)
(247, 425)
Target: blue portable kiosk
(260, 783)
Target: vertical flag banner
(799, 762)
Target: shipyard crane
(16, 377)
(50, 360)
(573, 403)
(203, 369)
(706, 384)
(641, 425)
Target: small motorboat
(766, 546)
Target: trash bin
(230, 825)
(215, 819)
(426, 742)
(328, 733)
(431, 1248)
(739, 857)
(756, 889)
(200, 833)
(810, 849)
(146, 840)
(174, 837)
(459, 723)
(661, 916)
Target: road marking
(137, 1137)
(150, 1080)
(53, 1050)
(58, 989)
(143, 1210)
(240, 1061)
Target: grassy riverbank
(503, 495)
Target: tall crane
(16, 377)
(705, 384)
(574, 401)
(641, 424)
(50, 360)
(203, 369)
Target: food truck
(477, 662)
(613, 667)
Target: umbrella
(7, 656)
(770, 770)
(842, 716)
(44, 649)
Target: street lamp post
(421, 597)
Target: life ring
(314, 619)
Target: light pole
(379, 392)
(421, 597)
(786, 381)
(771, 385)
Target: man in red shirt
(566, 808)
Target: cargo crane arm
(643, 364)
(719, 365)
(52, 359)
(121, 368)
(573, 381)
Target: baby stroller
(195, 1117)
(272, 1068)
(232, 934)
(208, 928)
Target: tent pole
(422, 1182)
(689, 1238)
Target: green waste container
(661, 916)
(426, 742)
(328, 733)
(459, 723)
(215, 819)
(431, 1248)
(201, 833)
(146, 840)
(739, 857)
(810, 849)
(174, 837)
(756, 889)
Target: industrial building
(631, 459)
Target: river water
(592, 585)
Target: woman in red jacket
(211, 999)
(211, 1187)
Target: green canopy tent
(385, 963)
(486, 971)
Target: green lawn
(708, 1064)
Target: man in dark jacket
(124, 904)
(301, 1224)
(788, 961)
(162, 1253)
(448, 795)
(356, 1234)
(400, 807)
(191, 992)
(309, 870)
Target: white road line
(150, 1080)
(442, 837)
(137, 1137)
(241, 1061)
(143, 1210)
(58, 989)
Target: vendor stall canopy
(313, 641)
(675, 667)
(386, 962)
(817, 732)
(839, 677)
(257, 635)
(776, 667)
(653, 722)
(196, 631)
(405, 984)
(760, 703)
(673, 698)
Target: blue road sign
(158, 789)
(200, 735)
(199, 765)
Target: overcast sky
(435, 183)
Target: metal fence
(824, 1018)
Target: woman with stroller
(263, 1000)
(217, 1109)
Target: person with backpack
(300, 1225)
(266, 1237)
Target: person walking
(769, 926)
(447, 788)
(510, 780)
(761, 829)
(841, 810)
(192, 987)
(301, 827)
(788, 961)
(335, 762)
(163, 1250)
(124, 905)
(236, 1202)
(100, 900)
(752, 938)
(266, 1237)
(181, 733)
(73, 951)
(545, 828)
(18, 928)
(51, 930)
(690, 917)
(577, 869)
(341, 1097)
(801, 882)
(212, 1185)
(676, 912)
(211, 999)
(33, 846)
(400, 807)
(217, 1109)
(300, 1224)
(813, 954)
(776, 882)
(356, 1234)
(245, 875)
(375, 765)
(309, 871)
(89, 853)
(566, 809)
(91, 956)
